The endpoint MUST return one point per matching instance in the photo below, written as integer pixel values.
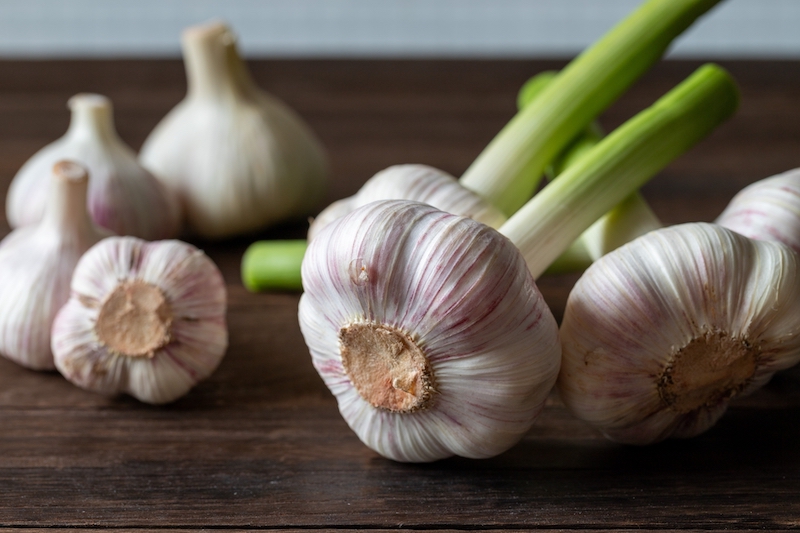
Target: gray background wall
(379, 28)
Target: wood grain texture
(260, 445)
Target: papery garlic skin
(123, 197)
(767, 210)
(420, 183)
(238, 158)
(660, 334)
(36, 265)
(146, 319)
(489, 344)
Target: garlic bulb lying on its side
(767, 210)
(426, 337)
(420, 183)
(147, 319)
(659, 335)
(123, 196)
(36, 264)
(239, 159)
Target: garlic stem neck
(214, 68)
(91, 116)
(386, 367)
(135, 320)
(66, 210)
(620, 164)
(507, 172)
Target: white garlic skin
(239, 159)
(198, 338)
(654, 304)
(420, 183)
(767, 210)
(462, 292)
(36, 265)
(123, 197)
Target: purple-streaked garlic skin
(463, 295)
(123, 196)
(195, 294)
(419, 183)
(36, 265)
(767, 210)
(638, 322)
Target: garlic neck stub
(36, 265)
(429, 331)
(123, 197)
(659, 335)
(239, 159)
(767, 210)
(419, 183)
(146, 319)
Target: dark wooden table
(260, 445)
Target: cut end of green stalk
(273, 265)
(533, 87)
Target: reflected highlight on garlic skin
(659, 335)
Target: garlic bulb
(420, 183)
(659, 335)
(418, 373)
(36, 264)
(123, 196)
(427, 326)
(238, 158)
(767, 210)
(147, 319)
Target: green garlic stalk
(631, 218)
(507, 172)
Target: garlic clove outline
(420, 183)
(123, 197)
(767, 210)
(421, 374)
(238, 158)
(144, 318)
(36, 265)
(659, 335)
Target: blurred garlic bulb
(430, 332)
(36, 264)
(147, 319)
(420, 183)
(767, 210)
(239, 159)
(659, 335)
(123, 196)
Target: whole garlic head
(239, 159)
(659, 335)
(147, 319)
(36, 265)
(767, 210)
(420, 183)
(429, 330)
(123, 197)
